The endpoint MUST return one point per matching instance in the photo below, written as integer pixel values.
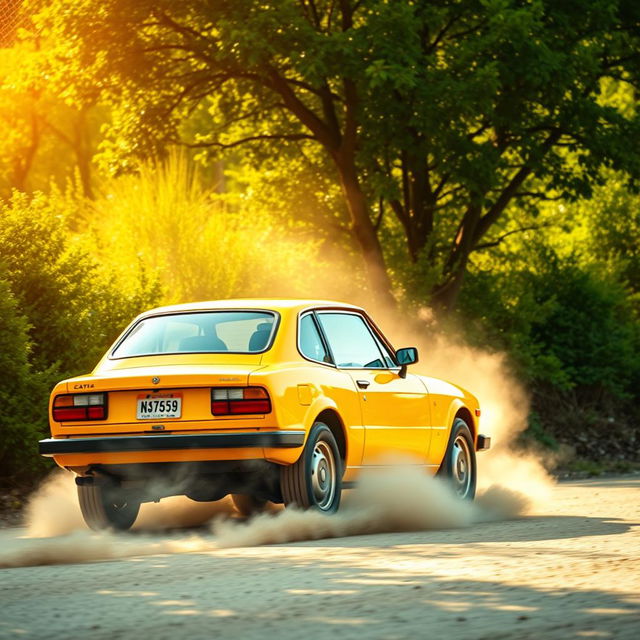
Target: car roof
(272, 304)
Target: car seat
(260, 337)
(209, 342)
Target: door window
(385, 353)
(310, 341)
(350, 340)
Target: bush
(564, 324)
(73, 306)
(59, 310)
(205, 246)
(572, 332)
(23, 396)
(590, 329)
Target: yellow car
(280, 400)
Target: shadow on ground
(328, 590)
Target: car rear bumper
(171, 442)
(483, 443)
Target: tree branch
(167, 21)
(511, 189)
(306, 115)
(441, 34)
(537, 195)
(236, 143)
(310, 8)
(504, 236)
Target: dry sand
(570, 571)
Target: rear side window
(350, 340)
(206, 332)
(310, 342)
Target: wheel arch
(464, 413)
(459, 410)
(332, 419)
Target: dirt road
(571, 572)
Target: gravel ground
(573, 571)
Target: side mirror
(405, 357)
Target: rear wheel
(247, 505)
(315, 480)
(459, 464)
(107, 507)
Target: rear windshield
(205, 332)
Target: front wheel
(459, 464)
(107, 507)
(315, 480)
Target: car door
(395, 410)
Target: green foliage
(604, 231)
(572, 331)
(448, 111)
(46, 137)
(59, 310)
(74, 308)
(23, 395)
(590, 330)
(566, 326)
(201, 245)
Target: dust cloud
(179, 512)
(394, 500)
(503, 400)
(85, 546)
(53, 510)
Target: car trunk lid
(189, 384)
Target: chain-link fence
(10, 19)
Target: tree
(606, 229)
(443, 112)
(45, 137)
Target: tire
(315, 480)
(247, 505)
(106, 507)
(459, 464)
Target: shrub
(73, 305)
(564, 324)
(202, 245)
(572, 331)
(59, 310)
(23, 396)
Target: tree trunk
(23, 160)
(82, 149)
(219, 180)
(365, 234)
(83, 159)
(444, 297)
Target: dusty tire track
(572, 572)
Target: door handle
(363, 384)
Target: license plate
(157, 407)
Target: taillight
(80, 406)
(239, 400)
